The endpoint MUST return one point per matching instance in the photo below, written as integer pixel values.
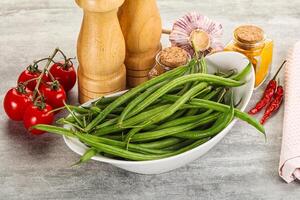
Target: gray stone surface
(241, 166)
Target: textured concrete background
(242, 166)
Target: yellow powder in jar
(251, 41)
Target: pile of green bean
(165, 116)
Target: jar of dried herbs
(169, 58)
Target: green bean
(105, 100)
(79, 109)
(221, 95)
(221, 108)
(117, 110)
(203, 65)
(95, 109)
(80, 123)
(168, 111)
(91, 152)
(239, 102)
(107, 130)
(228, 74)
(130, 134)
(175, 89)
(220, 91)
(75, 109)
(84, 121)
(184, 79)
(243, 73)
(89, 109)
(203, 92)
(188, 85)
(118, 137)
(136, 101)
(115, 129)
(65, 122)
(160, 144)
(107, 123)
(189, 119)
(218, 126)
(116, 151)
(110, 156)
(177, 114)
(111, 116)
(114, 121)
(212, 93)
(150, 127)
(114, 111)
(54, 129)
(83, 113)
(131, 147)
(198, 69)
(236, 76)
(81, 117)
(219, 73)
(180, 145)
(194, 111)
(184, 120)
(146, 136)
(95, 139)
(69, 119)
(175, 106)
(156, 104)
(131, 93)
(130, 122)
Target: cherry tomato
(15, 102)
(31, 73)
(37, 115)
(54, 94)
(65, 74)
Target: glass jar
(251, 41)
(168, 59)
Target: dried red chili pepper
(268, 93)
(267, 97)
(274, 105)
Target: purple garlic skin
(185, 26)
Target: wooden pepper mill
(141, 25)
(100, 50)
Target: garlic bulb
(195, 31)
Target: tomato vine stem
(43, 72)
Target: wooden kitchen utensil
(141, 25)
(100, 50)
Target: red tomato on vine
(37, 114)
(53, 93)
(65, 73)
(29, 74)
(15, 102)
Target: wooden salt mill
(100, 50)
(141, 25)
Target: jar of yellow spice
(251, 41)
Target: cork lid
(173, 57)
(249, 34)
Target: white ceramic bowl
(223, 61)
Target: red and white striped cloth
(289, 166)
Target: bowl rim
(70, 141)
